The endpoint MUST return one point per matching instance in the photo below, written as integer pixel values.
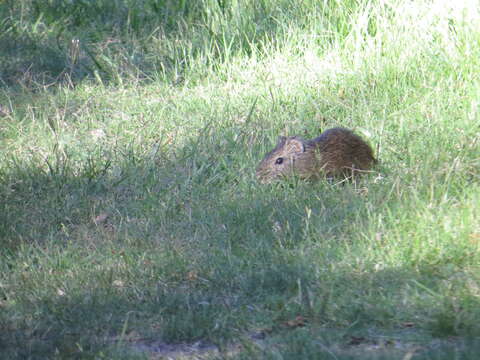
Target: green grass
(157, 121)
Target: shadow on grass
(95, 316)
(187, 246)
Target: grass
(129, 211)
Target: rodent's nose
(263, 179)
(260, 177)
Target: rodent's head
(291, 156)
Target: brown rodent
(336, 152)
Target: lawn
(131, 222)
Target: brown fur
(336, 152)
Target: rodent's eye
(279, 160)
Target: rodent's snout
(262, 178)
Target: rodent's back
(336, 152)
(342, 152)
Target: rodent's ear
(294, 144)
